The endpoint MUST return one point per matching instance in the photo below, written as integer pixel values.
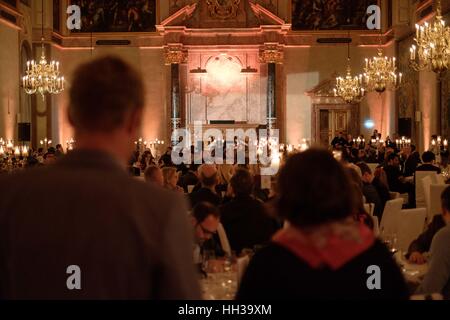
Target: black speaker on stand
(24, 132)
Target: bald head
(207, 174)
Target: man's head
(105, 106)
(242, 182)
(392, 160)
(445, 204)
(205, 219)
(59, 147)
(428, 157)
(154, 175)
(207, 174)
(366, 173)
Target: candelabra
(45, 143)
(438, 145)
(403, 142)
(70, 144)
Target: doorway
(329, 120)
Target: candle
(445, 142)
(1, 150)
(417, 30)
(17, 151)
(433, 142)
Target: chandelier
(349, 88)
(42, 77)
(380, 74)
(433, 45)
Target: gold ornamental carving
(175, 56)
(223, 9)
(271, 54)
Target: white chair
(390, 219)
(376, 226)
(224, 239)
(242, 264)
(411, 225)
(426, 184)
(420, 191)
(369, 207)
(435, 200)
(440, 179)
(372, 166)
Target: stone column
(271, 54)
(175, 56)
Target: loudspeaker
(24, 131)
(222, 122)
(404, 127)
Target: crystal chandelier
(433, 45)
(380, 74)
(42, 77)
(349, 88)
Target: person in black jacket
(207, 174)
(428, 159)
(369, 191)
(323, 253)
(244, 218)
(423, 243)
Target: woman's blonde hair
(168, 173)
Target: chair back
(435, 200)
(390, 219)
(412, 223)
(420, 191)
(224, 239)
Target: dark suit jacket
(428, 167)
(204, 195)
(246, 223)
(372, 196)
(423, 242)
(131, 240)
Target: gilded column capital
(271, 53)
(175, 55)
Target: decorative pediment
(324, 88)
(216, 14)
(323, 93)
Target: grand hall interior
(224, 150)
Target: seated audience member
(153, 174)
(428, 159)
(339, 140)
(380, 183)
(437, 278)
(411, 162)
(205, 219)
(207, 175)
(189, 178)
(130, 239)
(49, 156)
(170, 177)
(244, 218)
(166, 158)
(59, 151)
(360, 213)
(396, 180)
(323, 252)
(369, 191)
(422, 244)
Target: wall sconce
(249, 70)
(198, 71)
